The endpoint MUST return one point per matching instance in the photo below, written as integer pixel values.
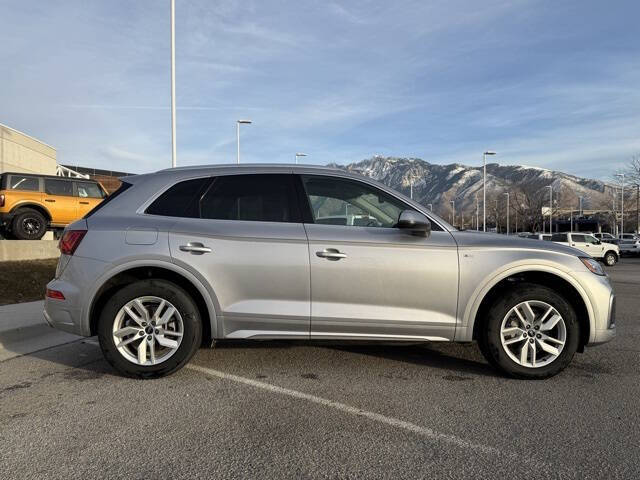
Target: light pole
(484, 188)
(550, 187)
(173, 83)
(621, 175)
(300, 155)
(453, 212)
(477, 214)
(638, 209)
(581, 197)
(238, 122)
(507, 194)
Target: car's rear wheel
(28, 224)
(531, 332)
(149, 329)
(610, 258)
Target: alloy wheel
(31, 226)
(147, 330)
(533, 334)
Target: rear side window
(89, 190)
(578, 238)
(123, 187)
(179, 200)
(253, 197)
(24, 182)
(58, 187)
(559, 237)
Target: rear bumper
(58, 314)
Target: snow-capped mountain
(439, 184)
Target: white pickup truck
(607, 252)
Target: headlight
(593, 265)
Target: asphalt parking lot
(274, 409)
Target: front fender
(464, 333)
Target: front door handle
(331, 254)
(84, 203)
(195, 247)
(49, 200)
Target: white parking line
(393, 422)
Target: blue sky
(552, 83)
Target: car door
(60, 201)
(247, 242)
(594, 246)
(369, 279)
(88, 196)
(579, 241)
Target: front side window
(251, 197)
(58, 187)
(89, 190)
(559, 237)
(590, 239)
(24, 182)
(339, 201)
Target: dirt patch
(25, 281)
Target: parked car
(607, 238)
(31, 204)
(607, 252)
(628, 236)
(629, 246)
(540, 236)
(235, 252)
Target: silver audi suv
(194, 255)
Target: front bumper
(5, 219)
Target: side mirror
(414, 222)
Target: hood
(494, 240)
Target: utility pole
(550, 187)
(238, 122)
(173, 83)
(621, 175)
(507, 194)
(484, 188)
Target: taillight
(2, 200)
(70, 241)
(55, 294)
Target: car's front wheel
(29, 224)
(149, 329)
(610, 259)
(530, 332)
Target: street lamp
(300, 155)
(621, 175)
(238, 122)
(581, 197)
(453, 209)
(477, 214)
(173, 83)
(507, 194)
(550, 187)
(484, 188)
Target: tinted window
(24, 182)
(179, 200)
(260, 198)
(58, 187)
(89, 190)
(339, 201)
(578, 238)
(559, 237)
(590, 239)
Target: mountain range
(439, 184)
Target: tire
(539, 298)
(610, 258)
(28, 224)
(125, 359)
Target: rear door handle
(49, 200)
(84, 203)
(331, 254)
(195, 247)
